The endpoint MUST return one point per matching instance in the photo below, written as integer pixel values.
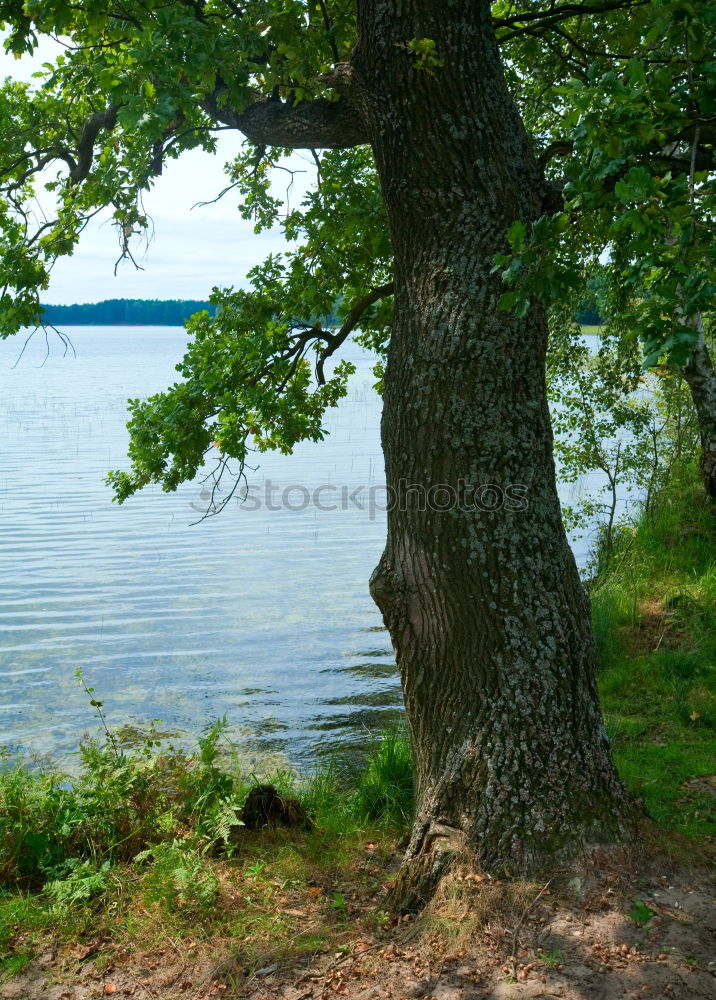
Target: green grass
(654, 609)
(551, 957)
(384, 791)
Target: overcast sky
(192, 250)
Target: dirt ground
(617, 930)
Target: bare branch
(95, 124)
(334, 341)
(317, 161)
(216, 505)
(329, 30)
(45, 327)
(220, 195)
(536, 21)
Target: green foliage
(253, 375)
(551, 957)
(81, 882)
(426, 56)
(66, 865)
(256, 902)
(58, 827)
(243, 391)
(612, 418)
(542, 265)
(20, 912)
(13, 964)
(326, 798)
(624, 104)
(640, 913)
(379, 791)
(65, 832)
(33, 812)
(176, 877)
(256, 375)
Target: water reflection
(355, 729)
(377, 699)
(386, 668)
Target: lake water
(262, 615)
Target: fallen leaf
(295, 913)
(81, 953)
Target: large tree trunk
(701, 379)
(487, 614)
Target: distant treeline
(171, 312)
(589, 317)
(126, 312)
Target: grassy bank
(654, 611)
(145, 853)
(148, 847)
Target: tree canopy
(435, 142)
(628, 127)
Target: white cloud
(192, 250)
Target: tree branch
(329, 30)
(561, 147)
(335, 340)
(95, 124)
(696, 159)
(536, 21)
(319, 124)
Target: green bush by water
(155, 824)
(125, 803)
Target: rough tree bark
(701, 379)
(487, 614)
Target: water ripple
(252, 614)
